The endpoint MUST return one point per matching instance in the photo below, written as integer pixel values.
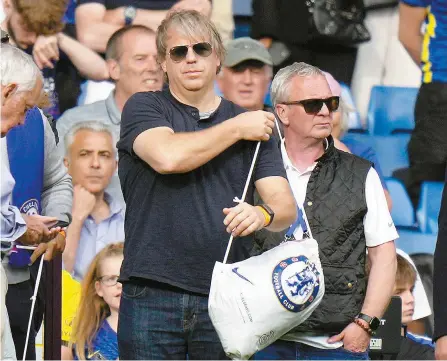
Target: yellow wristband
(266, 215)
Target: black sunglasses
(313, 106)
(178, 53)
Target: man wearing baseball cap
(246, 73)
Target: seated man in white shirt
(98, 219)
(345, 211)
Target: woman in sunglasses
(185, 153)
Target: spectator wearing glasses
(131, 59)
(184, 155)
(98, 219)
(345, 211)
(96, 322)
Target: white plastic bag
(254, 302)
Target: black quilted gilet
(335, 206)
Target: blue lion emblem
(301, 283)
(296, 283)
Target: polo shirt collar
(112, 108)
(114, 205)
(288, 163)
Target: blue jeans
(286, 350)
(159, 322)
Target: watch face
(374, 324)
(130, 12)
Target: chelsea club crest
(30, 207)
(296, 282)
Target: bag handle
(244, 194)
(302, 216)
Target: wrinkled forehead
(138, 41)
(307, 87)
(93, 140)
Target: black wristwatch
(270, 213)
(130, 12)
(373, 322)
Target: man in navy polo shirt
(185, 153)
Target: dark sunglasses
(313, 106)
(178, 53)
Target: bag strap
(302, 217)
(244, 194)
(300, 221)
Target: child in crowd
(95, 326)
(412, 347)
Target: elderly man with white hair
(21, 88)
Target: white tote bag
(254, 302)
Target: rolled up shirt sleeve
(12, 226)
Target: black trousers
(18, 303)
(427, 149)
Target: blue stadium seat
(355, 123)
(415, 242)
(242, 12)
(429, 205)
(391, 110)
(391, 150)
(242, 8)
(402, 211)
(241, 29)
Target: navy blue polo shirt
(174, 227)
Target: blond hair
(193, 25)
(92, 310)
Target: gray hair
(281, 81)
(91, 125)
(18, 67)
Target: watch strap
(373, 322)
(362, 325)
(269, 212)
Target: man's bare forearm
(381, 279)
(88, 62)
(96, 35)
(150, 18)
(413, 46)
(282, 201)
(184, 152)
(410, 22)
